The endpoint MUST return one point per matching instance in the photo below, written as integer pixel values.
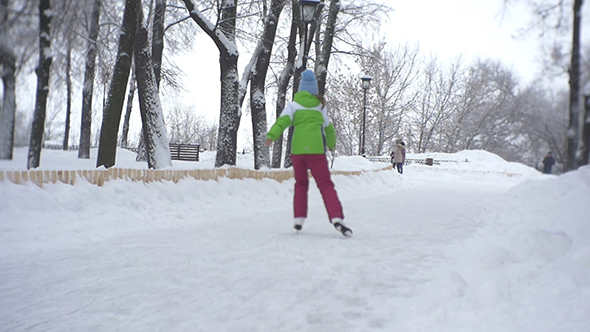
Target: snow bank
(477, 161)
(528, 266)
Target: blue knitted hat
(308, 82)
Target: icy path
(161, 257)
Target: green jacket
(313, 130)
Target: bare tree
(43, 71)
(184, 127)
(543, 123)
(7, 72)
(8, 109)
(107, 148)
(393, 73)
(158, 38)
(345, 110)
(343, 31)
(223, 34)
(283, 84)
(66, 137)
(154, 129)
(573, 131)
(22, 22)
(261, 57)
(435, 103)
(484, 109)
(88, 85)
(585, 147)
(129, 108)
(553, 14)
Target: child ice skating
(313, 131)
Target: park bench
(185, 152)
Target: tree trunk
(107, 148)
(258, 82)
(283, 85)
(130, 95)
(66, 141)
(158, 38)
(8, 110)
(141, 153)
(585, 154)
(259, 124)
(229, 118)
(8, 67)
(298, 66)
(223, 36)
(88, 87)
(323, 58)
(573, 130)
(43, 71)
(154, 129)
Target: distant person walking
(313, 132)
(548, 163)
(399, 157)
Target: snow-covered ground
(484, 245)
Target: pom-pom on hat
(308, 82)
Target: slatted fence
(99, 177)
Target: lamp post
(366, 84)
(308, 9)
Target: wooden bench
(185, 152)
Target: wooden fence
(99, 177)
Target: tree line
(447, 107)
(118, 49)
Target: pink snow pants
(318, 164)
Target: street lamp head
(308, 8)
(366, 82)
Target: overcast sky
(470, 28)
(451, 28)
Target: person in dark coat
(548, 163)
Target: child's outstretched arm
(283, 122)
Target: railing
(427, 161)
(60, 147)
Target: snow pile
(528, 266)
(356, 163)
(477, 161)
